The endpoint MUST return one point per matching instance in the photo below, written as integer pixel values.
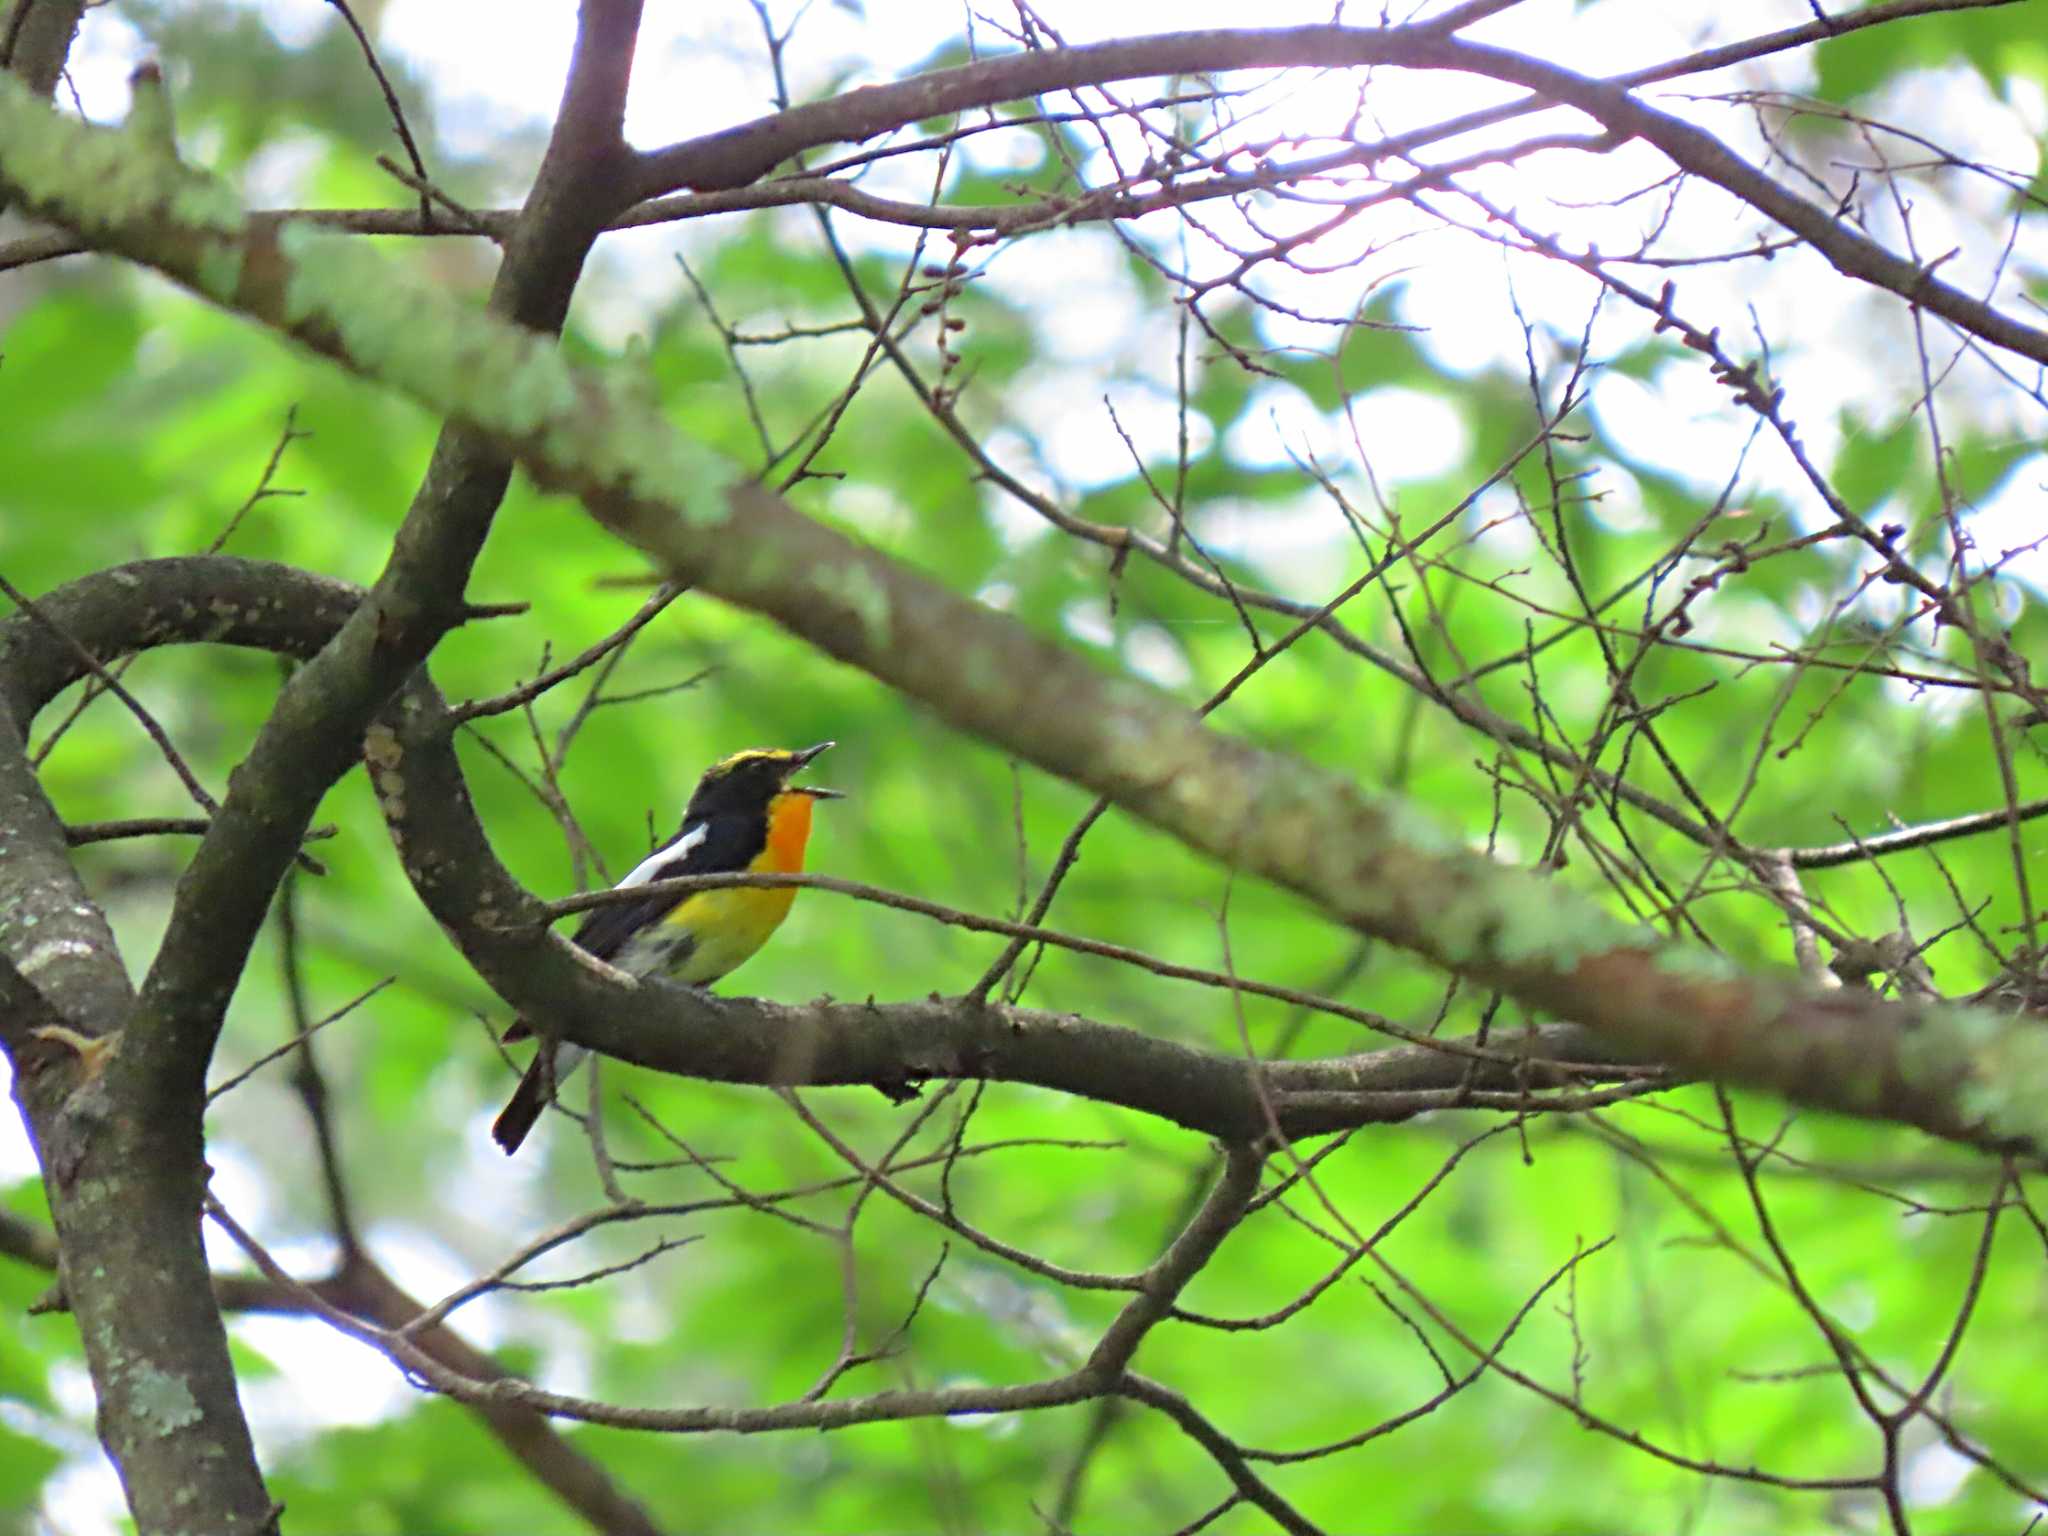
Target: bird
(745, 815)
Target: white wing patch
(643, 872)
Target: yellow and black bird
(744, 815)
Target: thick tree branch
(278, 608)
(123, 609)
(880, 114)
(124, 1193)
(315, 730)
(361, 1288)
(125, 1217)
(127, 1200)
(1371, 861)
(500, 928)
(35, 39)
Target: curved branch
(264, 606)
(732, 157)
(279, 608)
(1371, 861)
(194, 599)
(501, 929)
(286, 611)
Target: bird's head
(748, 782)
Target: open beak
(803, 760)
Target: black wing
(728, 843)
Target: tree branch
(273, 607)
(499, 926)
(361, 1288)
(134, 1266)
(1370, 861)
(35, 40)
(124, 1194)
(315, 730)
(735, 156)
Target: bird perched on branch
(744, 816)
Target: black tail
(531, 1097)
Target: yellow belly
(714, 932)
(726, 927)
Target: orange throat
(789, 829)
